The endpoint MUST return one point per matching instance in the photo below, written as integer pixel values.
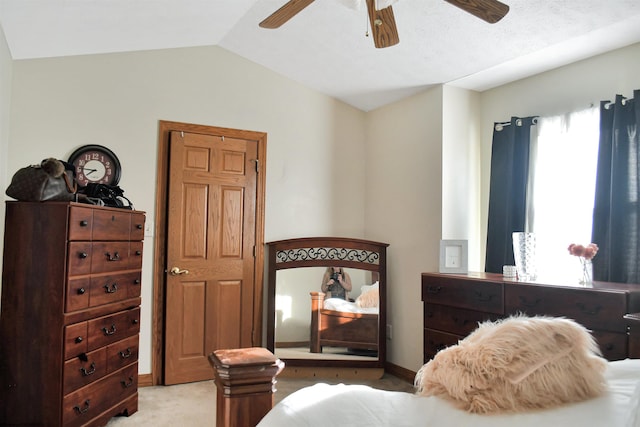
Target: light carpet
(193, 404)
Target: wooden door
(211, 235)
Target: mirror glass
(307, 330)
(293, 314)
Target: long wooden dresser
(70, 315)
(454, 304)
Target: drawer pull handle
(80, 410)
(584, 309)
(81, 291)
(458, 321)
(84, 223)
(138, 253)
(484, 298)
(139, 226)
(115, 257)
(110, 289)
(136, 282)
(78, 340)
(83, 255)
(434, 289)
(92, 370)
(127, 385)
(134, 321)
(109, 331)
(524, 302)
(126, 354)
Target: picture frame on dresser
(454, 256)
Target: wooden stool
(245, 383)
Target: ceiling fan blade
(488, 10)
(286, 12)
(383, 25)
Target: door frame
(160, 243)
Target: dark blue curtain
(616, 213)
(508, 189)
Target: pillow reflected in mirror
(369, 296)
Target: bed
(339, 323)
(357, 405)
(616, 402)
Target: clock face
(95, 164)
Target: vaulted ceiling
(326, 46)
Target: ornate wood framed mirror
(308, 328)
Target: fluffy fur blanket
(517, 364)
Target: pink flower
(587, 252)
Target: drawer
(79, 262)
(110, 256)
(473, 295)
(80, 223)
(601, 309)
(82, 405)
(115, 327)
(84, 369)
(614, 346)
(108, 288)
(122, 353)
(77, 294)
(75, 340)
(135, 255)
(103, 257)
(434, 341)
(111, 225)
(454, 320)
(96, 224)
(137, 226)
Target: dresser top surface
(499, 278)
(78, 204)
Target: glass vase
(524, 253)
(586, 276)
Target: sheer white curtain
(562, 185)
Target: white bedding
(357, 405)
(338, 304)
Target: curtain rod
(610, 103)
(500, 126)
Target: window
(562, 180)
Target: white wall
(315, 172)
(404, 208)
(6, 69)
(461, 170)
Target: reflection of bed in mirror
(350, 324)
(301, 330)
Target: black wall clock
(95, 163)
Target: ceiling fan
(382, 21)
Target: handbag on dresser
(52, 179)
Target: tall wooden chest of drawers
(70, 314)
(454, 304)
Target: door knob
(175, 271)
